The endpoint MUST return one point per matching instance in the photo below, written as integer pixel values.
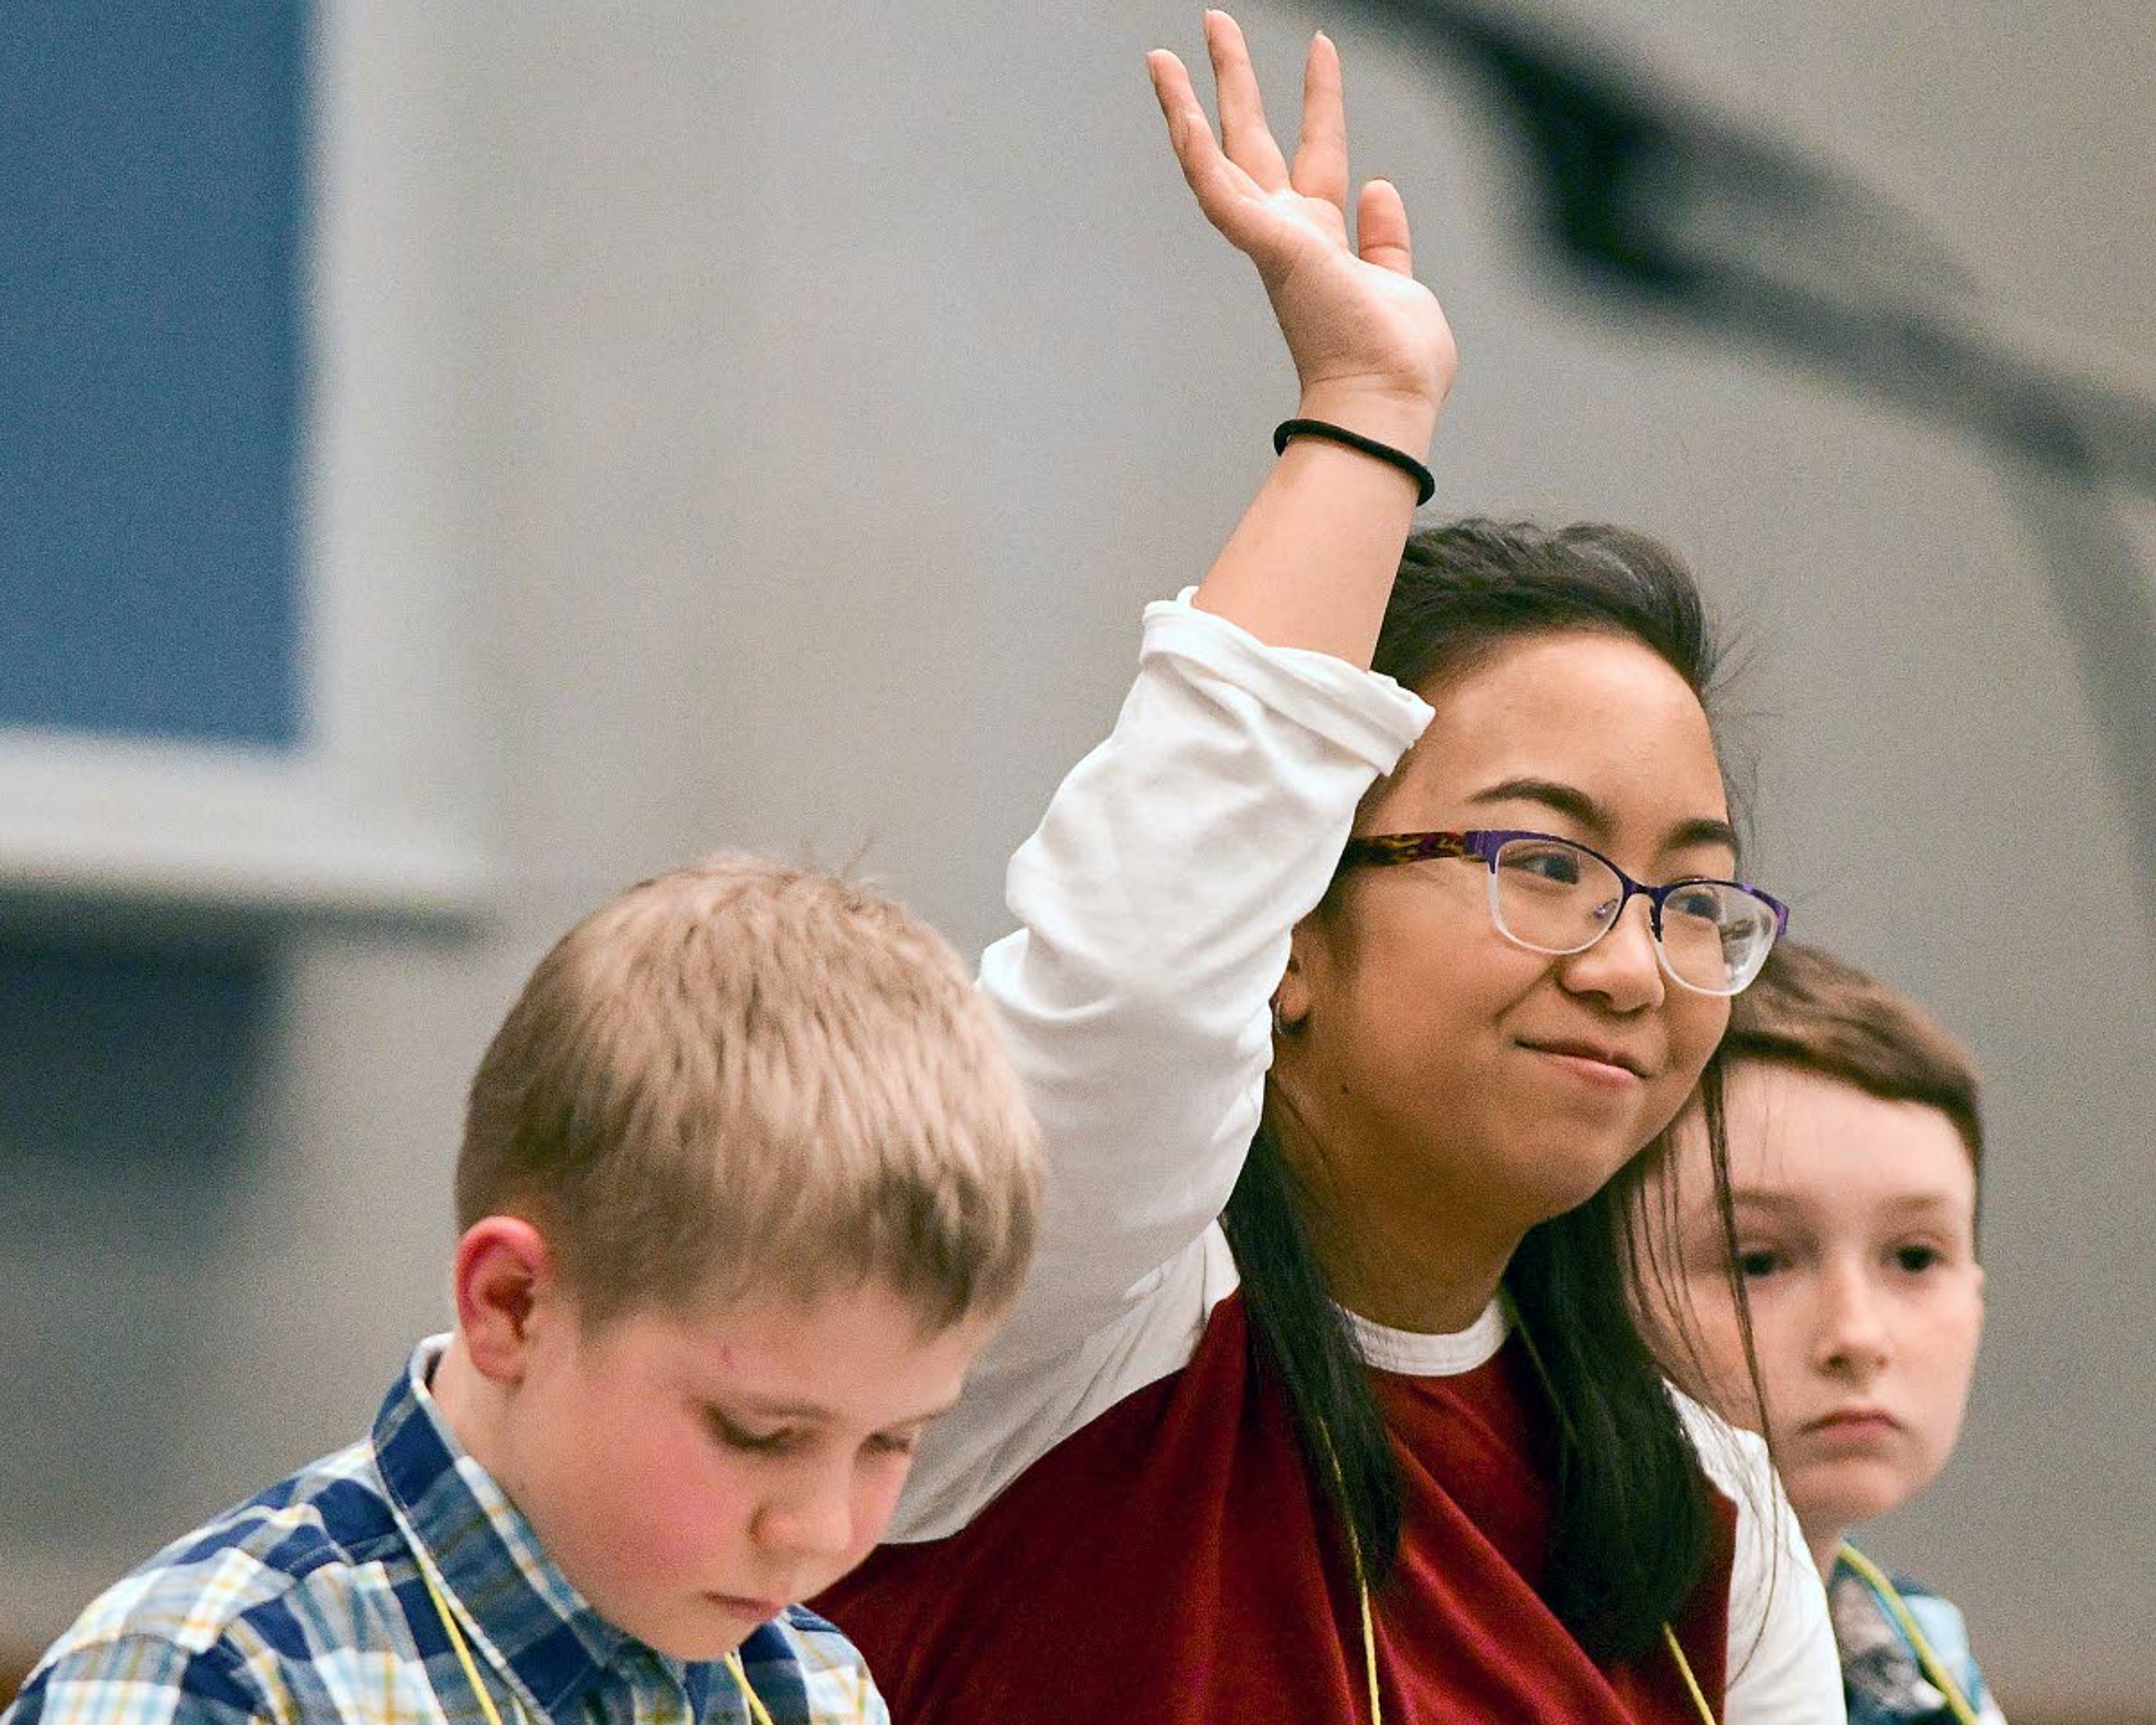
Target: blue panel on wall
(151, 170)
(130, 1084)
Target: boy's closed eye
(753, 1441)
(779, 1440)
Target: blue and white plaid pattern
(307, 1604)
(1881, 1676)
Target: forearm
(1311, 563)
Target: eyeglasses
(1549, 894)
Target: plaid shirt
(1881, 1678)
(308, 1602)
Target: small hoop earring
(1280, 1026)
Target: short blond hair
(742, 1077)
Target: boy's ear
(505, 1272)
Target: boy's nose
(814, 1519)
(1853, 1335)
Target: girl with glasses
(1324, 1402)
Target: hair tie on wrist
(1425, 486)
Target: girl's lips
(1600, 1065)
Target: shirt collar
(537, 1627)
(1878, 1664)
(1412, 1353)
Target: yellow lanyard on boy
(757, 1711)
(1928, 1659)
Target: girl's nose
(1622, 966)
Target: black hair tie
(1425, 486)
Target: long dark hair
(1633, 1524)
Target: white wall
(803, 399)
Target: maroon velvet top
(1165, 1565)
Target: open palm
(1355, 319)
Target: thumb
(1381, 228)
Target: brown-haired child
(1856, 1146)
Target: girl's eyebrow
(1569, 800)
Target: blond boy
(1854, 1146)
(746, 1181)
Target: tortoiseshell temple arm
(1404, 848)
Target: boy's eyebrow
(814, 1413)
(1766, 1198)
(1772, 1198)
(1919, 1201)
(1571, 801)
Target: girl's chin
(1565, 1177)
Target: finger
(1178, 101)
(1321, 155)
(1245, 138)
(1222, 189)
(1381, 228)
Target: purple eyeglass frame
(1482, 844)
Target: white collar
(1414, 1354)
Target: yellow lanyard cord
(756, 1709)
(1370, 1634)
(1369, 1644)
(1361, 1582)
(1927, 1658)
(1684, 1671)
(464, 1652)
(1564, 1420)
(757, 1712)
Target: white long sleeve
(1154, 904)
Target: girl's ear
(1294, 996)
(504, 1273)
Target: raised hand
(1370, 343)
